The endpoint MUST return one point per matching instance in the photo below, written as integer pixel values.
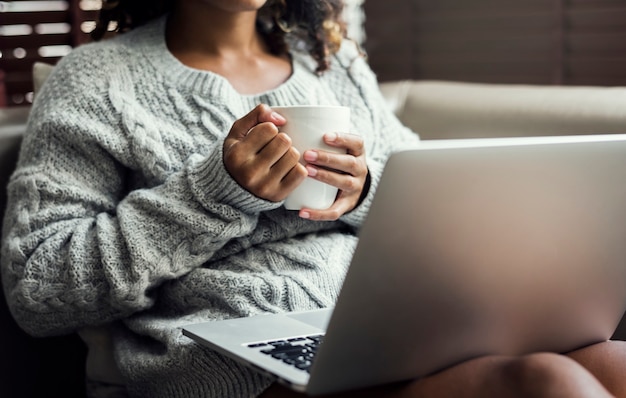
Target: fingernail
(305, 214)
(330, 136)
(278, 117)
(310, 156)
(312, 171)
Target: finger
(278, 152)
(262, 135)
(331, 214)
(339, 162)
(353, 143)
(260, 114)
(247, 147)
(294, 177)
(287, 168)
(243, 126)
(343, 181)
(276, 184)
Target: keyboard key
(296, 351)
(256, 345)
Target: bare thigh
(607, 362)
(537, 375)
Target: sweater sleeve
(82, 248)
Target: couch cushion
(444, 109)
(41, 71)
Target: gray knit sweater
(121, 211)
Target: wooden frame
(26, 31)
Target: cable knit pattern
(121, 212)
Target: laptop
(471, 247)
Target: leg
(536, 375)
(607, 362)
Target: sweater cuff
(212, 184)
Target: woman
(149, 195)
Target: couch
(454, 110)
(54, 367)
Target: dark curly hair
(317, 23)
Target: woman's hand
(260, 158)
(348, 172)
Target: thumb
(260, 114)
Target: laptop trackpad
(316, 318)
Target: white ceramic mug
(306, 126)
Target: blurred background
(563, 42)
(568, 42)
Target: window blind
(38, 30)
(573, 42)
(595, 42)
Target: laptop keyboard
(297, 351)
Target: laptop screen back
(508, 247)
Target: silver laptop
(489, 246)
